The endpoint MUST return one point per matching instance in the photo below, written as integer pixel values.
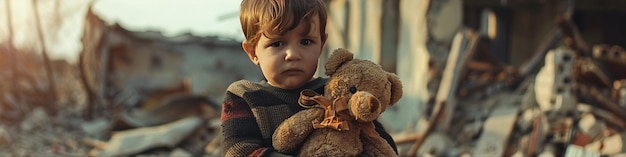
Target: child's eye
(305, 42)
(276, 44)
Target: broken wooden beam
(462, 50)
(588, 71)
(463, 47)
(572, 36)
(602, 100)
(607, 116)
(551, 39)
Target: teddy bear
(340, 122)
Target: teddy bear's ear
(396, 88)
(335, 60)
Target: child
(285, 39)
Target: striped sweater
(252, 111)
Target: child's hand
(363, 154)
(277, 154)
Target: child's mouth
(292, 72)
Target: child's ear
(250, 51)
(324, 39)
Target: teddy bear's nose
(374, 104)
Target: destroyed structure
(566, 99)
(168, 87)
(140, 93)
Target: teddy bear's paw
(291, 132)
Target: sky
(174, 17)
(62, 33)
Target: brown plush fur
(376, 89)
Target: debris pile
(566, 101)
(32, 122)
(140, 99)
(165, 122)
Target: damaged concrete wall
(119, 63)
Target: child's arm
(381, 131)
(242, 136)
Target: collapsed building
(494, 95)
(144, 79)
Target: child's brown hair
(272, 17)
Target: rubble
(5, 137)
(36, 118)
(494, 137)
(572, 105)
(609, 146)
(175, 118)
(134, 141)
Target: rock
(134, 141)
(96, 128)
(5, 137)
(35, 119)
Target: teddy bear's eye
(352, 89)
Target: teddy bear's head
(368, 88)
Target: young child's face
(289, 60)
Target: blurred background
(480, 77)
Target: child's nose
(292, 54)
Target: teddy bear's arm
(290, 133)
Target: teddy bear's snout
(365, 106)
(374, 103)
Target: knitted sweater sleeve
(381, 131)
(242, 136)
